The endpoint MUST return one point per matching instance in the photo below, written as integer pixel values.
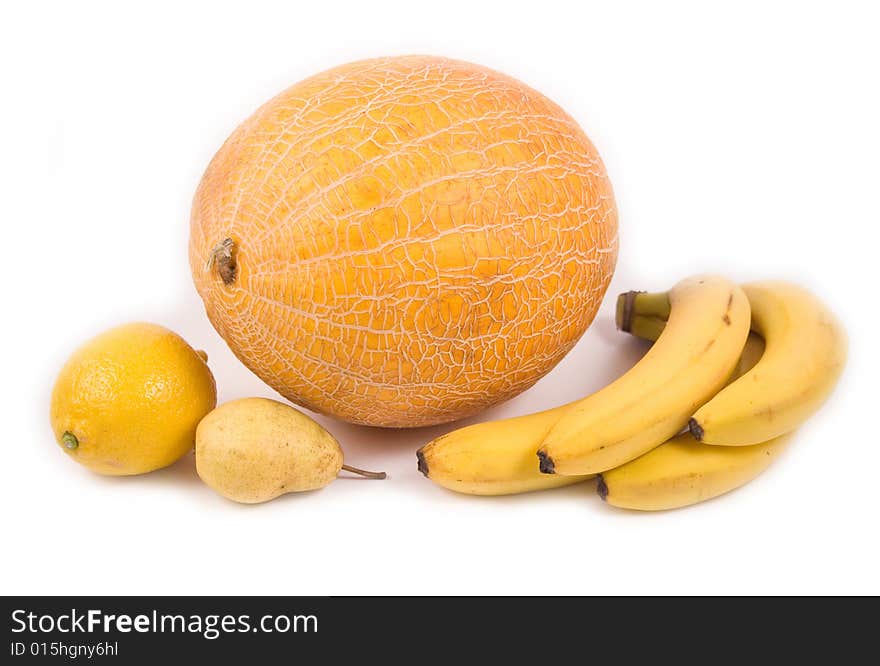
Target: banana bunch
(733, 371)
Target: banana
(494, 457)
(805, 354)
(683, 472)
(692, 359)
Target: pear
(255, 449)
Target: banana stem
(639, 303)
(652, 304)
(364, 473)
(647, 328)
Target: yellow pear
(254, 449)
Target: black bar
(705, 630)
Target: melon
(404, 241)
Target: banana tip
(423, 464)
(602, 488)
(546, 464)
(696, 429)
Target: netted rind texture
(415, 239)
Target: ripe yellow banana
(683, 472)
(804, 357)
(707, 326)
(493, 458)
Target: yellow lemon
(129, 400)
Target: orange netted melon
(404, 241)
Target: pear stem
(363, 472)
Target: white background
(743, 141)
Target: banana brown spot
(547, 466)
(726, 317)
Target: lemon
(129, 400)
